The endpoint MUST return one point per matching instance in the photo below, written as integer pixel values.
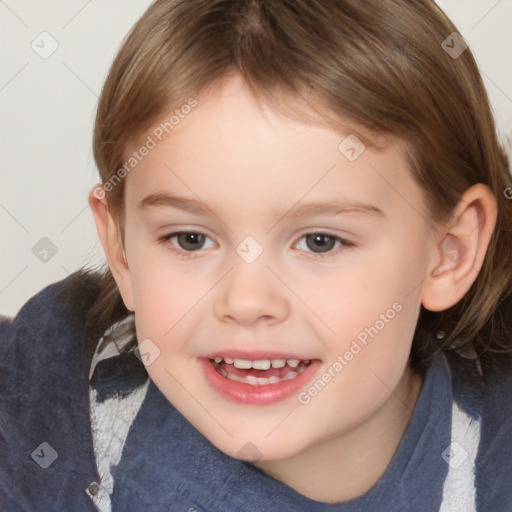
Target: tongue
(231, 369)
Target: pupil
(191, 241)
(320, 240)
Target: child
(223, 362)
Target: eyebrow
(314, 208)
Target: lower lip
(256, 395)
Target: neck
(347, 466)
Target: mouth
(259, 372)
(257, 381)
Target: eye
(320, 243)
(187, 242)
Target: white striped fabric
(459, 486)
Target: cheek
(373, 310)
(153, 274)
(160, 292)
(364, 367)
(162, 303)
(354, 297)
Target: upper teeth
(260, 364)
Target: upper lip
(255, 355)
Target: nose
(251, 294)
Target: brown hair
(381, 64)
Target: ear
(460, 253)
(111, 241)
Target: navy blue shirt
(458, 444)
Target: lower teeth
(261, 381)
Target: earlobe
(110, 239)
(460, 253)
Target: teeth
(291, 375)
(253, 381)
(261, 381)
(260, 364)
(243, 364)
(258, 381)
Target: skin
(248, 163)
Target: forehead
(232, 148)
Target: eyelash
(165, 240)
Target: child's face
(251, 172)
